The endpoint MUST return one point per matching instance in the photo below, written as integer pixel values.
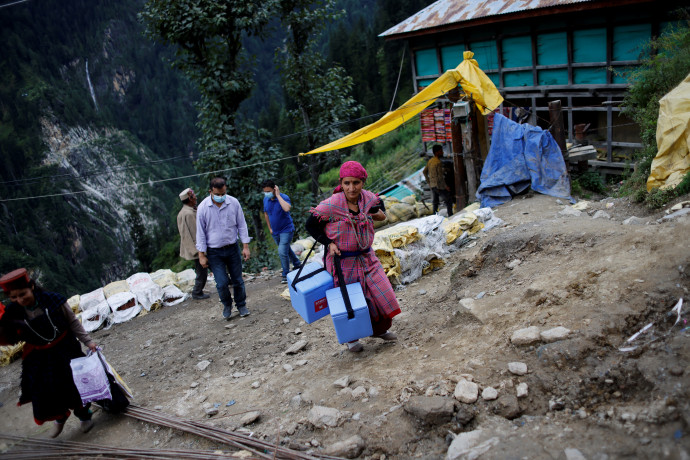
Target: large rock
(359, 392)
(522, 390)
(202, 365)
(517, 368)
(573, 454)
(526, 336)
(633, 220)
(601, 215)
(569, 211)
(465, 414)
(470, 445)
(489, 394)
(466, 391)
(351, 447)
(296, 347)
(507, 406)
(250, 417)
(555, 334)
(434, 410)
(322, 417)
(342, 382)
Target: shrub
(592, 181)
(665, 63)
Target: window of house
(589, 45)
(425, 62)
(451, 56)
(517, 52)
(628, 43)
(552, 49)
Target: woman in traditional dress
(344, 224)
(50, 329)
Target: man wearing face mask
(277, 213)
(186, 225)
(219, 223)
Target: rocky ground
(512, 350)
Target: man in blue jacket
(277, 213)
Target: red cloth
(353, 169)
(356, 233)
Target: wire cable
(151, 182)
(13, 3)
(395, 93)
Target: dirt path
(598, 278)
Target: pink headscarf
(353, 169)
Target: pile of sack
(121, 301)
(402, 210)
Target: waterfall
(88, 79)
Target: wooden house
(537, 51)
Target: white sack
(186, 280)
(172, 295)
(124, 306)
(147, 292)
(95, 316)
(90, 300)
(164, 277)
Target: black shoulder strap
(299, 272)
(343, 289)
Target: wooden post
(557, 128)
(470, 144)
(456, 144)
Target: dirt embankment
(600, 279)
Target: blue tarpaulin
(520, 157)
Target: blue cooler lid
(319, 278)
(335, 299)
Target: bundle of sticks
(31, 448)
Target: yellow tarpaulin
(468, 75)
(672, 161)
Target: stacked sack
(167, 279)
(398, 210)
(302, 247)
(122, 300)
(94, 310)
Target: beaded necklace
(55, 330)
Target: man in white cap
(186, 224)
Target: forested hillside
(90, 151)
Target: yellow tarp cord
(672, 161)
(468, 75)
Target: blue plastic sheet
(521, 156)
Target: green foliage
(665, 64)
(657, 198)
(208, 36)
(169, 257)
(320, 91)
(71, 241)
(589, 180)
(576, 189)
(143, 245)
